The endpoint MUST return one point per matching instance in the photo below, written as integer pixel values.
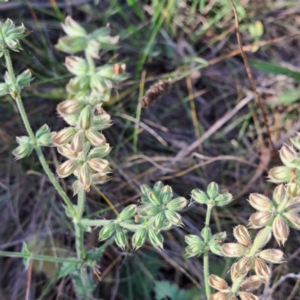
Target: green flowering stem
(90, 62)
(87, 222)
(37, 148)
(39, 257)
(78, 231)
(206, 252)
(258, 242)
(236, 284)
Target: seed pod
(66, 168)
(293, 219)
(274, 256)
(146, 189)
(296, 141)
(217, 283)
(64, 136)
(99, 152)
(72, 28)
(242, 235)
(218, 296)
(280, 174)
(288, 156)
(166, 194)
(280, 230)
(95, 138)
(85, 118)
(223, 199)
(212, 190)
(107, 231)
(262, 270)
(25, 147)
(154, 199)
(85, 176)
(156, 239)
(260, 202)
(247, 296)
(99, 178)
(194, 239)
(199, 196)
(158, 220)
(177, 204)
(173, 218)
(243, 265)
(251, 283)
(69, 107)
(293, 189)
(98, 164)
(128, 212)
(120, 238)
(194, 250)
(158, 187)
(76, 65)
(67, 151)
(148, 210)
(261, 218)
(77, 143)
(139, 238)
(279, 194)
(233, 249)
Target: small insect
(119, 69)
(218, 240)
(136, 219)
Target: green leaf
(25, 251)
(288, 98)
(67, 268)
(274, 69)
(165, 289)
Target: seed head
(217, 283)
(262, 270)
(242, 235)
(280, 230)
(274, 256)
(156, 91)
(233, 249)
(251, 283)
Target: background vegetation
(194, 43)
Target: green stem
(28, 128)
(78, 231)
(206, 252)
(87, 222)
(39, 257)
(90, 62)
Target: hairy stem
(28, 128)
(206, 252)
(78, 231)
(39, 257)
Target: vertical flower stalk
(9, 41)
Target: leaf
(25, 251)
(288, 97)
(274, 69)
(165, 289)
(67, 268)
